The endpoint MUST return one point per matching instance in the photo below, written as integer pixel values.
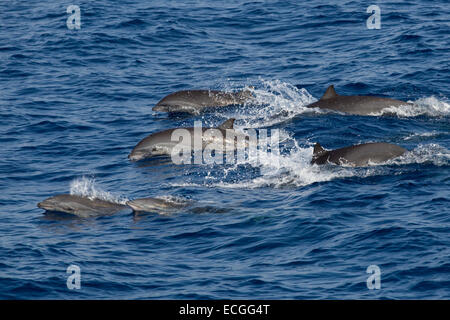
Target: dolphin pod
(163, 142)
(357, 155)
(197, 101)
(359, 105)
(84, 207)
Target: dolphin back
(80, 206)
(358, 105)
(159, 205)
(359, 155)
(196, 101)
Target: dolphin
(80, 206)
(157, 205)
(358, 155)
(359, 105)
(161, 143)
(84, 207)
(196, 101)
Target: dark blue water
(73, 103)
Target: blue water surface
(73, 103)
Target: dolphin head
(160, 107)
(48, 204)
(143, 149)
(57, 203)
(138, 154)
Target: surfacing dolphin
(161, 143)
(360, 105)
(80, 206)
(358, 155)
(197, 101)
(84, 207)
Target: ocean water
(73, 103)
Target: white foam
(175, 199)
(414, 136)
(425, 153)
(430, 106)
(294, 169)
(274, 102)
(87, 187)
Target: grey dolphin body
(84, 207)
(80, 206)
(157, 205)
(360, 105)
(161, 143)
(358, 155)
(196, 101)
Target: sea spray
(87, 187)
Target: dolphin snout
(43, 204)
(46, 205)
(136, 155)
(159, 107)
(133, 157)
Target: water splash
(430, 106)
(295, 169)
(274, 102)
(87, 187)
(176, 200)
(425, 153)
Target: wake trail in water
(429, 106)
(431, 153)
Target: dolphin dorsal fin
(329, 94)
(318, 149)
(227, 124)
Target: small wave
(418, 136)
(87, 187)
